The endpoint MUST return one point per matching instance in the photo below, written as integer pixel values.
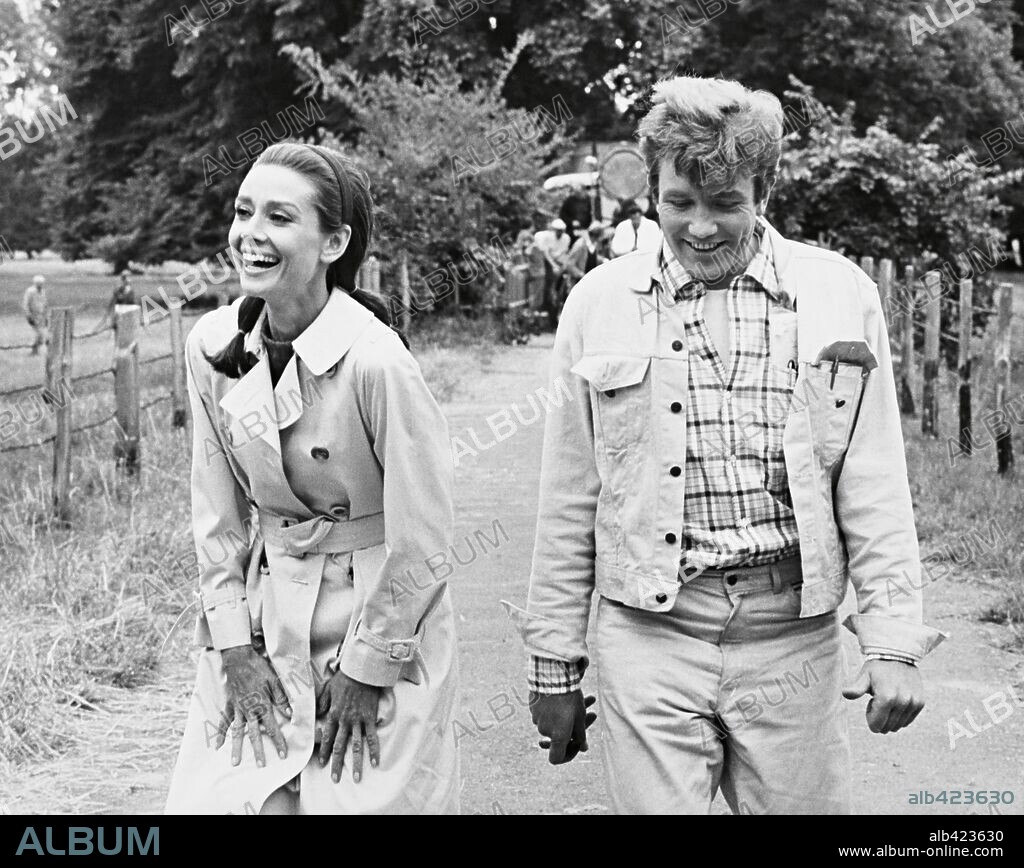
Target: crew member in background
(34, 305)
(635, 232)
(553, 243)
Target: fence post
(964, 362)
(867, 265)
(406, 297)
(906, 394)
(178, 387)
(374, 273)
(58, 373)
(126, 388)
(885, 292)
(1003, 373)
(930, 395)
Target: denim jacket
(610, 504)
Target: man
(122, 294)
(585, 254)
(731, 457)
(635, 232)
(553, 244)
(34, 305)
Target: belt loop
(776, 574)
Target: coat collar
(321, 346)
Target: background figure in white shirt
(553, 242)
(636, 232)
(34, 305)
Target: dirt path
(125, 754)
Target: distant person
(34, 305)
(123, 294)
(635, 232)
(576, 212)
(586, 253)
(553, 243)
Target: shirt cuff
(228, 623)
(899, 658)
(554, 676)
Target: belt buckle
(401, 651)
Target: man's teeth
(696, 246)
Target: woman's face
(275, 240)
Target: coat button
(319, 453)
(670, 537)
(677, 345)
(661, 598)
(730, 580)
(675, 471)
(676, 407)
(338, 510)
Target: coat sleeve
(410, 439)
(875, 513)
(220, 513)
(554, 625)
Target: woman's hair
(711, 130)
(342, 198)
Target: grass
(90, 611)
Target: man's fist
(562, 718)
(897, 694)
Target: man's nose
(703, 226)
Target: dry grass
(92, 612)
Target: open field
(96, 668)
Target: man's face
(709, 229)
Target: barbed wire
(97, 423)
(156, 359)
(16, 347)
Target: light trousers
(730, 689)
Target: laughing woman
(321, 485)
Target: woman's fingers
(256, 739)
(237, 731)
(223, 724)
(340, 746)
(327, 735)
(372, 741)
(357, 752)
(269, 722)
(279, 697)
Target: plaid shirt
(738, 511)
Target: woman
(329, 663)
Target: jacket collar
(645, 274)
(321, 346)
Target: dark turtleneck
(278, 353)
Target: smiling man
(720, 534)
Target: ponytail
(233, 361)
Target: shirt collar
(325, 340)
(677, 281)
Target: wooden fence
(908, 305)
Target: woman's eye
(241, 211)
(280, 218)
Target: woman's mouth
(254, 262)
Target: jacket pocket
(621, 396)
(832, 406)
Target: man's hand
(563, 719)
(253, 689)
(897, 694)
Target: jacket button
(670, 537)
(661, 598)
(676, 407)
(677, 345)
(675, 471)
(319, 453)
(730, 580)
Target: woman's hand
(351, 710)
(253, 690)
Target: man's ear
(763, 204)
(336, 244)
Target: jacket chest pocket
(832, 406)
(621, 390)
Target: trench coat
(307, 547)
